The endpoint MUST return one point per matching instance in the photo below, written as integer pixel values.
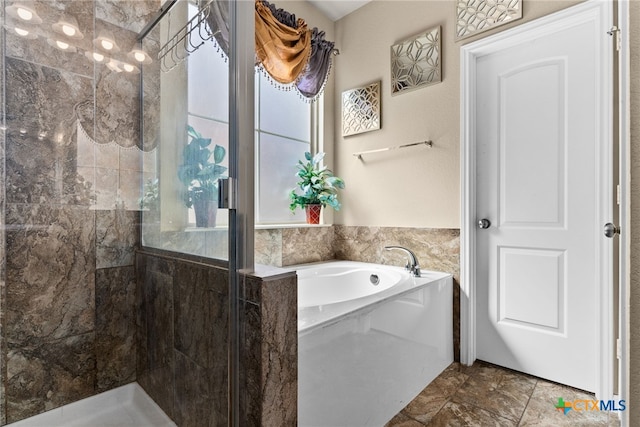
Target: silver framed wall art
(361, 109)
(416, 62)
(476, 16)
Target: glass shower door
(198, 121)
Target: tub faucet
(412, 265)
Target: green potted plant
(319, 188)
(199, 173)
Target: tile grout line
(528, 401)
(451, 396)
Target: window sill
(299, 225)
(259, 227)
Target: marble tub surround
(294, 245)
(436, 249)
(485, 394)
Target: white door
(541, 112)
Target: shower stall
(97, 289)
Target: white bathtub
(366, 350)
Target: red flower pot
(313, 213)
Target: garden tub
(370, 338)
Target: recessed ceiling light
(24, 13)
(68, 26)
(61, 45)
(140, 56)
(105, 41)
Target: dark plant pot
(313, 213)
(206, 211)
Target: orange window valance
(286, 49)
(282, 50)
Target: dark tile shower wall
(67, 282)
(183, 338)
(183, 341)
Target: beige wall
(415, 187)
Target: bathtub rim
(333, 313)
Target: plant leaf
(218, 153)
(192, 132)
(204, 142)
(317, 158)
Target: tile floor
(488, 395)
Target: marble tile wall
(66, 272)
(182, 339)
(269, 356)
(297, 245)
(3, 371)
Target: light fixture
(24, 33)
(68, 26)
(24, 13)
(113, 66)
(140, 56)
(130, 68)
(61, 45)
(94, 56)
(106, 42)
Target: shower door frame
(241, 180)
(241, 175)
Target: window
(283, 134)
(283, 131)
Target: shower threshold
(126, 406)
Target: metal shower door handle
(484, 223)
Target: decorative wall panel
(415, 62)
(361, 109)
(476, 16)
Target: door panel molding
(601, 13)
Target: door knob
(611, 230)
(484, 223)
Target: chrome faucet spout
(412, 265)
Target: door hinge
(615, 31)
